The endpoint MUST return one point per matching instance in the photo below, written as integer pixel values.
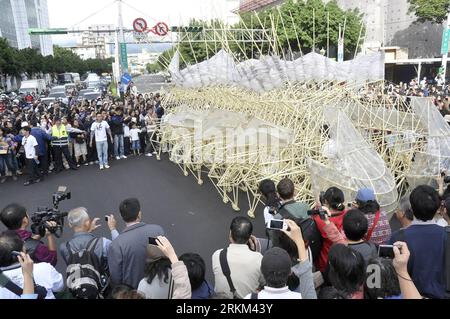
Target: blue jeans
(118, 146)
(136, 145)
(7, 161)
(102, 152)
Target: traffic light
(187, 29)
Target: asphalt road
(194, 217)
(150, 83)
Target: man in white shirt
(244, 264)
(423, 83)
(30, 146)
(100, 129)
(44, 274)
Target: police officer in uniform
(60, 144)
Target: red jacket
(336, 219)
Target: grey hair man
(404, 213)
(83, 227)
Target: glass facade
(17, 16)
(7, 25)
(32, 18)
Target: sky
(69, 14)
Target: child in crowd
(135, 143)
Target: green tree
(430, 10)
(48, 64)
(303, 25)
(165, 58)
(299, 26)
(154, 67)
(31, 61)
(15, 62)
(9, 64)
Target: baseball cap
(365, 195)
(24, 124)
(276, 260)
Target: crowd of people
(43, 139)
(427, 87)
(337, 250)
(332, 251)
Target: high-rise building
(389, 23)
(17, 16)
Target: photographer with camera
(355, 228)
(333, 199)
(16, 218)
(85, 244)
(237, 269)
(272, 201)
(300, 279)
(289, 207)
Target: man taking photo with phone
(95, 250)
(83, 227)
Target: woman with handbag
(6, 157)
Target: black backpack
(310, 232)
(84, 272)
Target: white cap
(25, 124)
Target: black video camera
(322, 213)
(44, 215)
(446, 178)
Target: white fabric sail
(271, 72)
(355, 164)
(436, 156)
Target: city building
(138, 62)
(84, 53)
(97, 37)
(257, 5)
(17, 16)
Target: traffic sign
(161, 29)
(124, 56)
(445, 39)
(126, 79)
(140, 25)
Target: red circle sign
(140, 25)
(161, 29)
